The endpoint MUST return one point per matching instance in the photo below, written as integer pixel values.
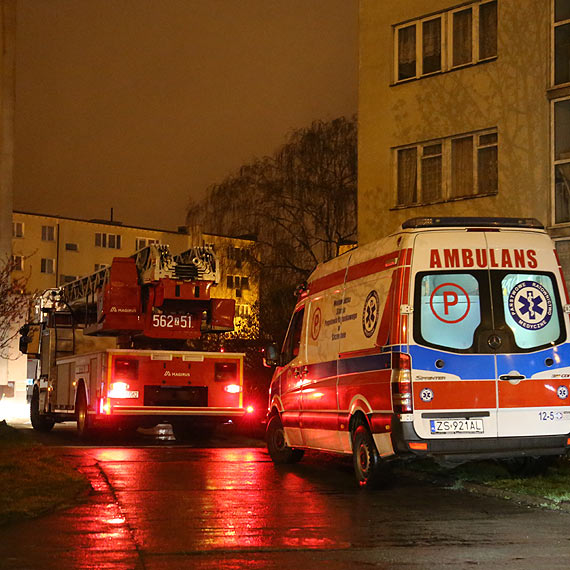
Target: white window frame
(18, 261)
(47, 266)
(18, 229)
(553, 45)
(446, 41)
(104, 239)
(446, 170)
(554, 161)
(48, 233)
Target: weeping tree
(300, 203)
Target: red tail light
(233, 388)
(401, 383)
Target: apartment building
(464, 110)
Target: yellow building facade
(464, 110)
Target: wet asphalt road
(163, 506)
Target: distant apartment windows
(451, 168)
(140, 243)
(71, 247)
(99, 266)
(561, 112)
(18, 262)
(48, 233)
(18, 229)
(243, 310)
(238, 283)
(445, 41)
(111, 241)
(561, 42)
(66, 279)
(47, 265)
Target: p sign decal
(449, 297)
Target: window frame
(104, 240)
(555, 24)
(555, 162)
(47, 263)
(48, 233)
(17, 229)
(18, 261)
(446, 168)
(446, 41)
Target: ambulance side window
(292, 343)
(530, 306)
(450, 309)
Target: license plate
(131, 394)
(459, 425)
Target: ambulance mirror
(271, 356)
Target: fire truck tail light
(119, 390)
(249, 410)
(104, 406)
(233, 388)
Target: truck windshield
(458, 311)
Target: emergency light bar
(453, 222)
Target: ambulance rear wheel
(368, 465)
(39, 421)
(277, 446)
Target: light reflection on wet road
(179, 507)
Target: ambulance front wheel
(277, 446)
(369, 468)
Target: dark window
(462, 37)
(71, 247)
(407, 52)
(292, 343)
(487, 30)
(431, 46)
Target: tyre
(40, 422)
(369, 468)
(277, 446)
(84, 422)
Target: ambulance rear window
(450, 310)
(530, 308)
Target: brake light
(233, 388)
(401, 383)
(249, 410)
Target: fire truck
(109, 350)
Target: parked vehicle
(447, 339)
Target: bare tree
(14, 306)
(300, 203)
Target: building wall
(508, 93)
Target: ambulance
(447, 339)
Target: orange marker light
(418, 446)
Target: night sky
(139, 104)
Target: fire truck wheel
(277, 446)
(369, 468)
(39, 422)
(84, 426)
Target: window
(451, 168)
(71, 247)
(141, 243)
(48, 233)
(18, 261)
(561, 111)
(111, 241)
(445, 41)
(245, 283)
(67, 278)
(561, 31)
(292, 343)
(230, 281)
(47, 265)
(99, 266)
(17, 229)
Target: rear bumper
(468, 449)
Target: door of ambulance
(488, 343)
(532, 362)
(453, 366)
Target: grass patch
(553, 484)
(33, 479)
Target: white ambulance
(447, 339)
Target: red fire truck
(109, 349)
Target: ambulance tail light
(401, 383)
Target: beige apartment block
(464, 110)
